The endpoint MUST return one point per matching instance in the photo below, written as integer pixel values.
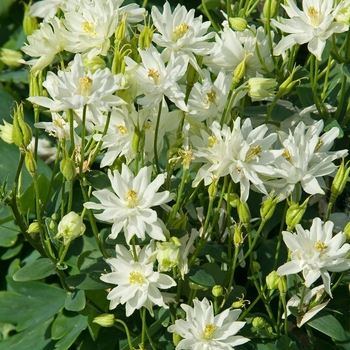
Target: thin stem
(206, 12)
(155, 143)
(127, 333)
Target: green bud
(238, 23)
(145, 38)
(70, 227)
(52, 225)
(21, 132)
(33, 228)
(295, 213)
(217, 291)
(272, 280)
(256, 267)
(105, 320)
(237, 235)
(94, 64)
(288, 84)
(30, 164)
(340, 179)
(212, 189)
(68, 169)
(270, 8)
(179, 223)
(347, 231)
(29, 23)
(138, 140)
(282, 285)
(258, 322)
(239, 72)
(176, 339)
(192, 75)
(6, 132)
(244, 213)
(10, 57)
(260, 88)
(121, 30)
(268, 208)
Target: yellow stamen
(153, 73)
(85, 84)
(314, 16)
(212, 140)
(131, 197)
(253, 152)
(180, 31)
(89, 28)
(136, 277)
(320, 246)
(122, 129)
(209, 331)
(287, 155)
(211, 96)
(319, 144)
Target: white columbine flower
(138, 285)
(203, 331)
(129, 207)
(316, 252)
(181, 33)
(45, 42)
(77, 88)
(306, 159)
(157, 80)
(314, 25)
(70, 227)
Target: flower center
(209, 331)
(212, 140)
(319, 144)
(180, 31)
(85, 84)
(131, 197)
(252, 153)
(313, 16)
(89, 28)
(154, 74)
(287, 155)
(211, 96)
(320, 246)
(136, 277)
(122, 129)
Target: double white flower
(129, 207)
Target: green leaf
(75, 301)
(16, 76)
(5, 7)
(8, 234)
(35, 271)
(86, 281)
(11, 252)
(333, 123)
(306, 95)
(329, 325)
(199, 276)
(98, 179)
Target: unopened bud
(105, 320)
(295, 213)
(10, 57)
(270, 8)
(33, 228)
(340, 179)
(347, 231)
(256, 267)
(268, 208)
(217, 291)
(138, 140)
(260, 88)
(272, 280)
(145, 38)
(21, 132)
(258, 322)
(68, 169)
(288, 84)
(176, 338)
(212, 189)
(238, 23)
(94, 64)
(179, 223)
(30, 164)
(237, 235)
(121, 30)
(239, 72)
(6, 132)
(244, 213)
(282, 285)
(29, 23)
(70, 227)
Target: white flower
(90, 27)
(203, 331)
(129, 207)
(45, 150)
(308, 297)
(181, 33)
(316, 252)
(314, 25)
(244, 153)
(138, 285)
(306, 159)
(47, 8)
(45, 42)
(77, 88)
(156, 81)
(232, 47)
(70, 227)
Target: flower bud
(268, 208)
(340, 179)
(105, 320)
(176, 338)
(10, 57)
(288, 84)
(94, 64)
(238, 23)
(270, 8)
(239, 72)
(30, 164)
(121, 30)
(244, 213)
(256, 267)
(212, 189)
(138, 140)
(343, 16)
(295, 213)
(168, 254)
(68, 169)
(260, 88)
(29, 23)
(282, 285)
(347, 231)
(6, 132)
(33, 228)
(70, 227)
(217, 291)
(237, 235)
(192, 74)
(179, 223)
(272, 280)
(145, 38)
(258, 322)
(21, 132)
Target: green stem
(127, 333)
(144, 325)
(155, 143)
(279, 242)
(206, 12)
